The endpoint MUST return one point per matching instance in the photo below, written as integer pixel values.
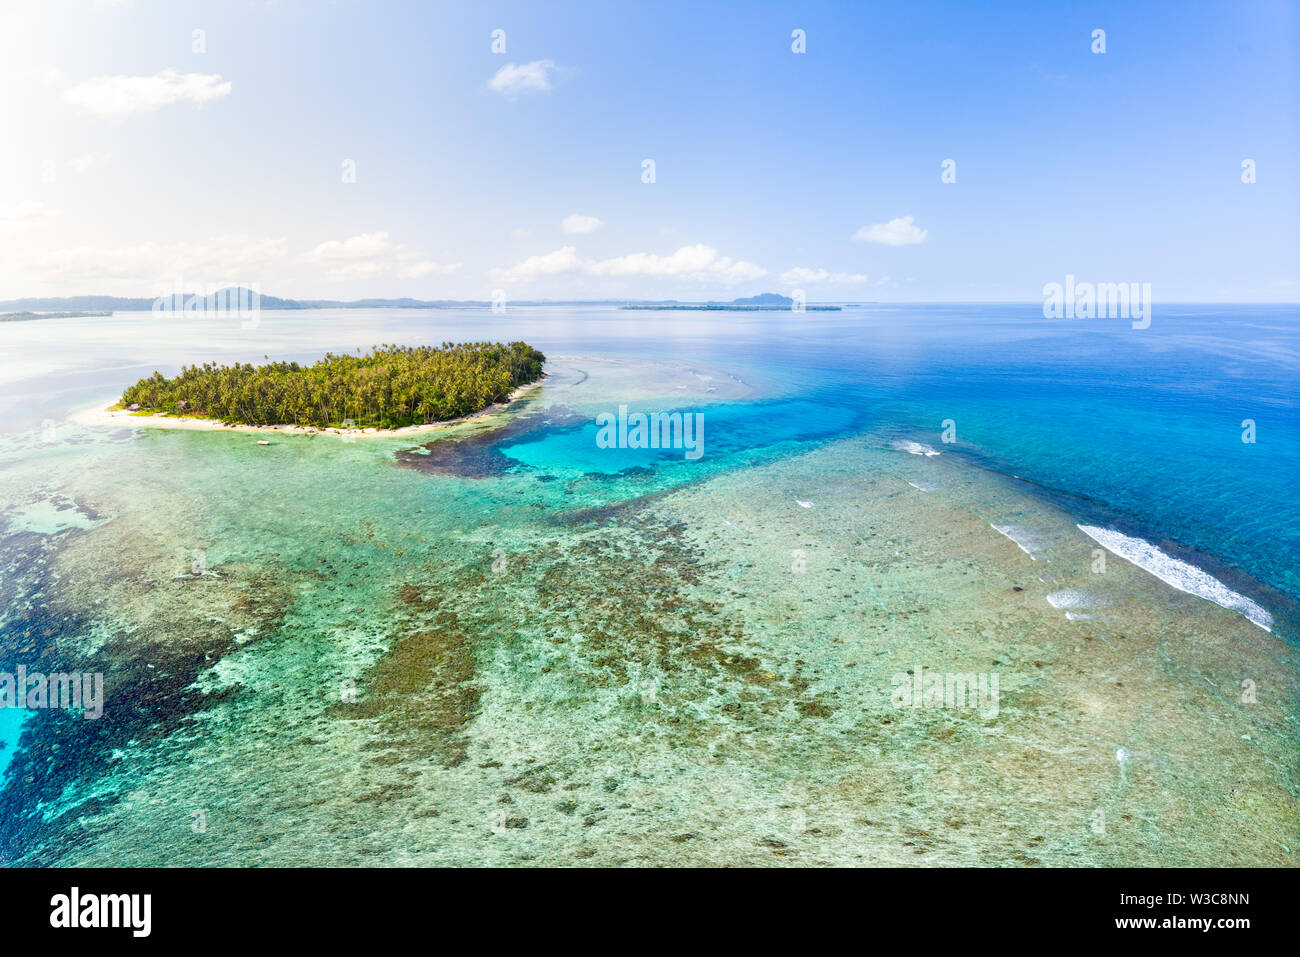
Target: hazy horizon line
(627, 299)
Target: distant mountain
(177, 302)
(231, 294)
(763, 302)
(74, 303)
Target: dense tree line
(389, 387)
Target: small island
(28, 316)
(764, 302)
(390, 387)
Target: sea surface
(505, 643)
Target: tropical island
(764, 302)
(390, 387)
(28, 316)
(197, 305)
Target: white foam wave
(1068, 598)
(915, 448)
(1018, 534)
(1177, 573)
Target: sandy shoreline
(100, 415)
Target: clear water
(516, 646)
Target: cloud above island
(87, 161)
(514, 79)
(24, 214)
(699, 263)
(234, 257)
(118, 96)
(369, 255)
(802, 275)
(577, 223)
(897, 232)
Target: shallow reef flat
(335, 659)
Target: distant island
(388, 388)
(767, 301)
(180, 302)
(43, 308)
(28, 316)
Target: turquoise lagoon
(499, 643)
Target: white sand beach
(102, 413)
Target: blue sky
(137, 162)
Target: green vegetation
(390, 387)
(27, 316)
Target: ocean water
(503, 643)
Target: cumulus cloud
(368, 255)
(216, 259)
(576, 223)
(897, 232)
(802, 275)
(87, 161)
(516, 78)
(694, 262)
(427, 267)
(116, 96)
(563, 260)
(360, 247)
(699, 263)
(23, 214)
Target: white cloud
(116, 96)
(427, 268)
(699, 262)
(360, 247)
(21, 226)
(368, 255)
(24, 213)
(82, 164)
(896, 232)
(563, 260)
(520, 233)
(694, 262)
(215, 259)
(802, 275)
(513, 79)
(576, 223)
